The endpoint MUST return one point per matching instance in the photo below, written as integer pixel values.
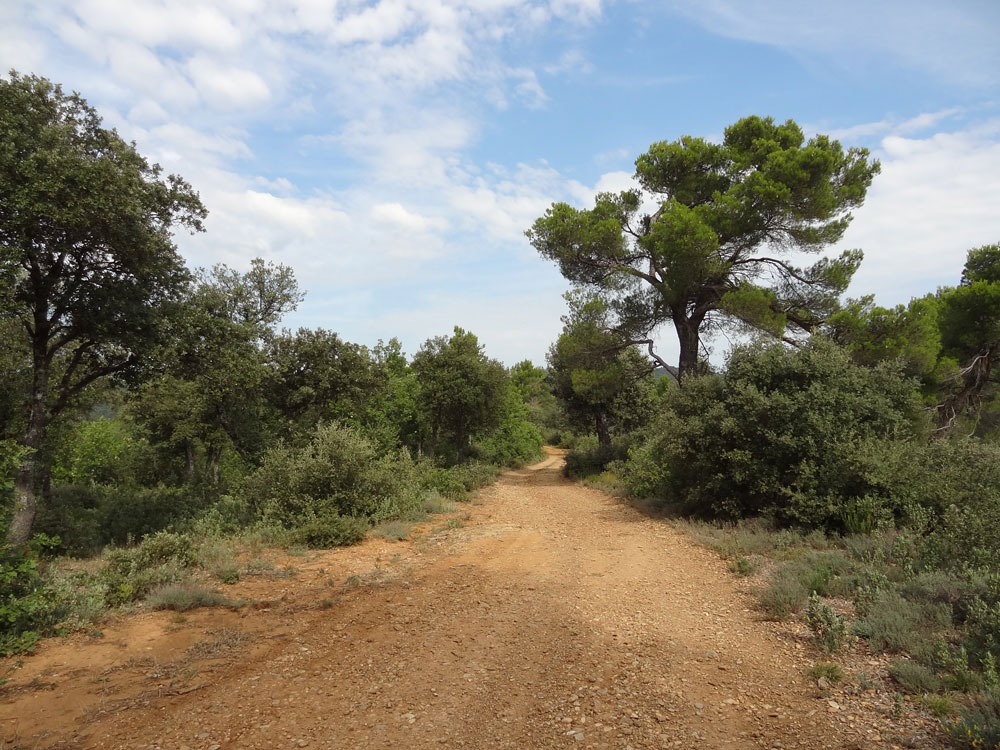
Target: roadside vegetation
(869, 514)
(847, 454)
(159, 427)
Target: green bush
(89, 517)
(328, 531)
(785, 595)
(339, 474)
(443, 481)
(132, 513)
(589, 457)
(913, 677)
(27, 608)
(475, 474)
(97, 451)
(982, 630)
(895, 624)
(75, 514)
(979, 726)
(515, 442)
(796, 435)
(829, 629)
(130, 573)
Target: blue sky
(394, 152)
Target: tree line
(129, 375)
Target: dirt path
(554, 617)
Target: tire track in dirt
(555, 617)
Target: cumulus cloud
(396, 215)
(935, 199)
(951, 41)
(225, 86)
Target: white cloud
(936, 198)
(919, 123)
(955, 41)
(396, 215)
(147, 111)
(225, 86)
(20, 47)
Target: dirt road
(554, 616)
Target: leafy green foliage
(828, 628)
(130, 573)
(604, 384)
(85, 223)
(515, 441)
(328, 529)
(339, 473)
(589, 457)
(460, 390)
(792, 434)
(27, 609)
(875, 334)
(700, 259)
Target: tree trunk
(975, 377)
(601, 424)
(189, 466)
(432, 447)
(26, 481)
(689, 338)
(214, 461)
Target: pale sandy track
(554, 617)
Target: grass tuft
(185, 595)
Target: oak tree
(86, 240)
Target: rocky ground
(544, 614)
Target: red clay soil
(544, 615)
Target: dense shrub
(458, 481)
(514, 443)
(131, 573)
(791, 434)
(27, 608)
(329, 530)
(89, 517)
(589, 457)
(979, 726)
(338, 474)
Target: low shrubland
(166, 547)
(874, 529)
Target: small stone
(578, 736)
(303, 743)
